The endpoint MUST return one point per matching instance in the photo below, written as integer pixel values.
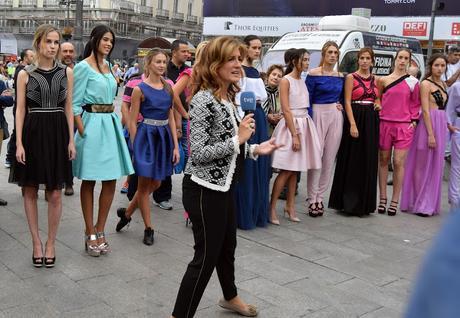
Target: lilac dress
(421, 192)
(309, 155)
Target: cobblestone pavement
(335, 266)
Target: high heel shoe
(313, 210)
(291, 218)
(121, 212)
(382, 208)
(104, 247)
(320, 208)
(393, 208)
(274, 221)
(37, 261)
(92, 248)
(49, 261)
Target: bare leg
(384, 156)
(105, 202)
(133, 205)
(54, 217)
(31, 209)
(87, 204)
(399, 160)
(278, 186)
(145, 187)
(290, 202)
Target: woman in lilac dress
(421, 193)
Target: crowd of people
(181, 119)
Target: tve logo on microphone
(248, 102)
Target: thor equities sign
(270, 8)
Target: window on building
(190, 7)
(160, 4)
(175, 6)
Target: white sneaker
(165, 205)
(7, 164)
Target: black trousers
(214, 230)
(163, 193)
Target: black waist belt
(99, 108)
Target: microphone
(248, 102)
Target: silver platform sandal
(91, 248)
(104, 248)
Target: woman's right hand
(20, 154)
(354, 131)
(81, 131)
(295, 143)
(246, 128)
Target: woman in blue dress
(154, 140)
(252, 190)
(102, 154)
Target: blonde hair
(205, 73)
(199, 50)
(148, 60)
(324, 50)
(40, 34)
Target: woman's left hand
(266, 148)
(431, 142)
(339, 106)
(176, 156)
(72, 151)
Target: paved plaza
(335, 266)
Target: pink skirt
(309, 155)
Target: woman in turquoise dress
(102, 154)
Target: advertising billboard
(271, 8)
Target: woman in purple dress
(421, 193)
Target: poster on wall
(225, 8)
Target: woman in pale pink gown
(296, 132)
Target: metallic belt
(99, 108)
(155, 122)
(363, 102)
(45, 110)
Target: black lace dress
(45, 134)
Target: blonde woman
(44, 124)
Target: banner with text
(226, 8)
(446, 28)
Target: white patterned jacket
(214, 143)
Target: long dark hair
(93, 44)
(429, 65)
(293, 59)
(396, 57)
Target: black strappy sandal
(393, 208)
(382, 208)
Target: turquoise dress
(102, 153)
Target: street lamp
(67, 3)
(434, 7)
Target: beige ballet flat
(251, 310)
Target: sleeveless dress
(102, 153)
(153, 145)
(422, 185)
(309, 155)
(45, 134)
(354, 189)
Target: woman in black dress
(44, 124)
(354, 190)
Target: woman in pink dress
(400, 99)
(296, 132)
(421, 193)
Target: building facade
(132, 21)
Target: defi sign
(414, 28)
